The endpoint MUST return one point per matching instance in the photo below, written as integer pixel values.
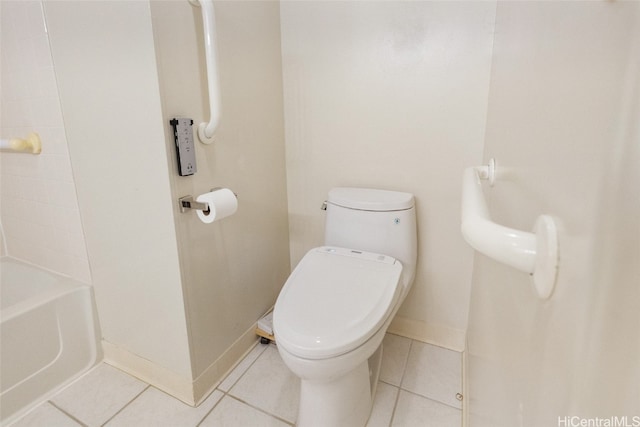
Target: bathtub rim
(62, 286)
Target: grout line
(433, 400)
(430, 398)
(228, 393)
(388, 383)
(267, 346)
(399, 386)
(246, 369)
(66, 413)
(395, 406)
(128, 403)
(262, 410)
(224, 393)
(406, 364)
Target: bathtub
(48, 335)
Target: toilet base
(345, 401)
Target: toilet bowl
(333, 312)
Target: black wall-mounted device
(185, 148)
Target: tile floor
(418, 386)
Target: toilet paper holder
(188, 202)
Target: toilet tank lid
(369, 199)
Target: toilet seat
(335, 300)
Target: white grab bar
(206, 130)
(534, 253)
(31, 144)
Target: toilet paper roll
(222, 203)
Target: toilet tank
(377, 221)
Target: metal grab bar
(534, 253)
(206, 130)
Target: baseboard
(442, 336)
(150, 372)
(206, 382)
(191, 392)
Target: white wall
(390, 95)
(233, 269)
(40, 216)
(107, 77)
(563, 120)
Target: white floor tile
(232, 413)
(263, 392)
(45, 415)
(413, 410)
(383, 405)
(158, 409)
(395, 350)
(269, 385)
(99, 395)
(434, 372)
(242, 367)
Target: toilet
(333, 311)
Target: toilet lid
(334, 301)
